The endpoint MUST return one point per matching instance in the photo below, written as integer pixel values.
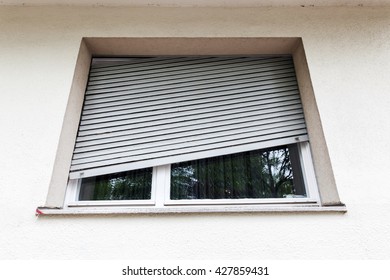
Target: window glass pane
(131, 185)
(267, 173)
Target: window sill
(189, 209)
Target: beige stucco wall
(348, 53)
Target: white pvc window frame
(73, 192)
(309, 179)
(160, 191)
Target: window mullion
(162, 182)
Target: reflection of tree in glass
(277, 172)
(255, 174)
(129, 185)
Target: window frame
(161, 188)
(308, 177)
(73, 191)
(104, 47)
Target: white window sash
(307, 173)
(73, 192)
(160, 192)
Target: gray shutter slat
(181, 97)
(164, 96)
(178, 74)
(142, 85)
(161, 129)
(168, 114)
(181, 118)
(144, 112)
(169, 64)
(138, 64)
(212, 103)
(172, 84)
(104, 146)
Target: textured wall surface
(348, 52)
(200, 3)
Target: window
(206, 130)
(70, 191)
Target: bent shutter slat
(144, 112)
